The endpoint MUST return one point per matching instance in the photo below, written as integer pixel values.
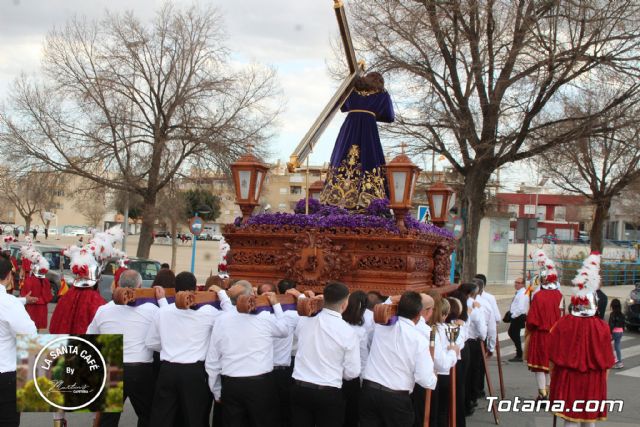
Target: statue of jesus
(357, 172)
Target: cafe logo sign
(80, 368)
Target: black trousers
(440, 402)
(9, 416)
(283, 384)
(351, 391)
(250, 401)
(380, 408)
(515, 327)
(139, 385)
(462, 370)
(418, 396)
(476, 371)
(311, 407)
(181, 389)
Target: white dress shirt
(14, 320)
(132, 323)
(328, 350)
(494, 306)
(363, 337)
(283, 347)
(241, 345)
(369, 323)
(520, 304)
(399, 357)
(443, 359)
(489, 313)
(182, 336)
(477, 322)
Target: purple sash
(139, 301)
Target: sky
(293, 36)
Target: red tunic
(543, 314)
(581, 354)
(75, 310)
(41, 289)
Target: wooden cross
(305, 147)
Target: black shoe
(516, 359)
(469, 412)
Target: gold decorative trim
(362, 111)
(337, 4)
(579, 420)
(367, 92)
(546, 368)
(350, 187)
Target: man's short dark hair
(410, 305)
(478, 281)
(335, 292)
(285, 284)
(165, 265)
(481, 277)
(186, 281)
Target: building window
(60, 193)
(529, 209)
(296, 178)
(282, 206)
(284, 190)
(541, 213)
(560, 213)
(514, 210)
(295, 189)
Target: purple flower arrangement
(377, 216)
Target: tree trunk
(597, 229)
(27, 225)
(473, 209)
(174, 243)
(146, 230)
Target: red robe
(581, 354)
(543, 314)
(41, 289)
(75, 310)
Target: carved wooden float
(363, 258)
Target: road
(623, 383)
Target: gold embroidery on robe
(349, 187)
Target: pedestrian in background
(517, 316)
(616, 324)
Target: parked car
(163, 234)
(147, 268)
(59, 265)
(632, 308)
(77, 232)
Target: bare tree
(484, 79)
(171, 208)
(598, 167)
(92, 204)
(129, 105)
(31, 193)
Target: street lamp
(195, 226)
(402, 175)
(248, 176)
(439, 196)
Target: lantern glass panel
(413, 185)
(245, 182)
(437, 205)
(399, 183)
(258, 183)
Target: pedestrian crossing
(507, 351)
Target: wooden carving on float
(365, 259)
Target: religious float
(355, 226)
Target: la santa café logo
(85, 373)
